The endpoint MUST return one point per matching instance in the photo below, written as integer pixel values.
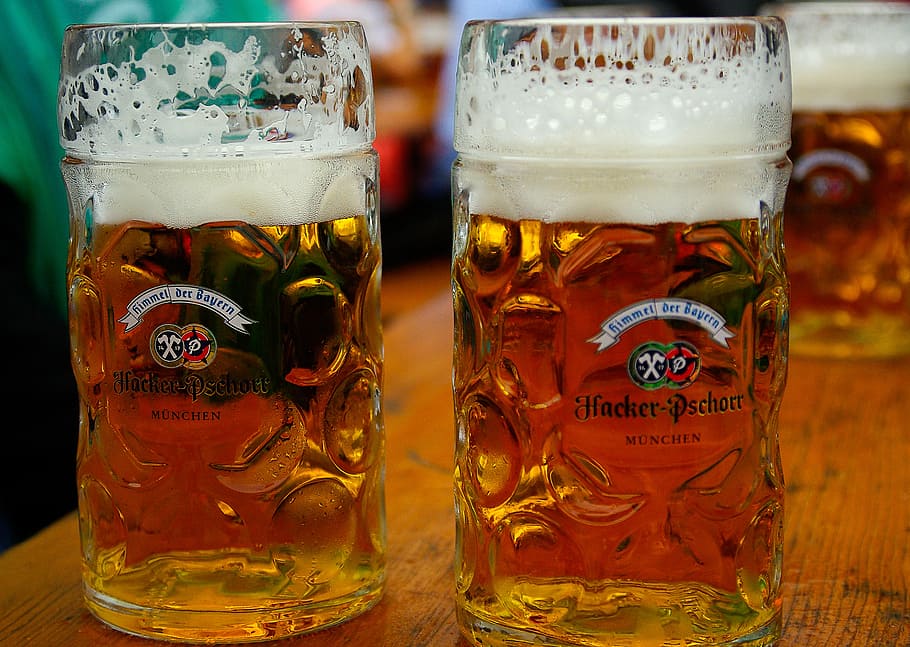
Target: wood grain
(845, 438)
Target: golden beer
(620, 349)
(226, 343)
(848, 203)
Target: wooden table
(845, 434)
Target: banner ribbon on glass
(667, 308)
(189, 294)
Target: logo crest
(654, 365)
(191, 346)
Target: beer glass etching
(223, 270)
(848, 204)
(621, 303)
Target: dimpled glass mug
(621, 308)
(223, 275)
(848, 204)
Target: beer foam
(640, 120)
(647, 194)
(134, 91)
(266, 191)
(848, 55)
(623, 89)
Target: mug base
(226, 626)
(481, 632)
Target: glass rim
(644, 21)
(202, 26)
(834, 8)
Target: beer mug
(223, 277)
(848, 204)
(621, 308)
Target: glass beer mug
(621, 309)
(848, 203)
(223, 274)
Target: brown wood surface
(845, 436)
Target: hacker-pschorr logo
(654, 365)
(191, 346)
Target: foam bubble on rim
(139, 91)
(848, 55)
(623, 88)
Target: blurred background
(413, 44)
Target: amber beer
(848, 203)
(620, 336)
(848, 232)
(226, 343)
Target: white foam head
(663, 119)
(276, 190)
(164, 91)
(848, 55)
(643, 88)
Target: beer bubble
(229, 513)
(658, 122)
(622, 101)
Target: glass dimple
(528, 373)
(352, 432)
(315, 310)
(491, 456)
(266, 463)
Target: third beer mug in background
(848, 204)
(224, 272)
(621, 314)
